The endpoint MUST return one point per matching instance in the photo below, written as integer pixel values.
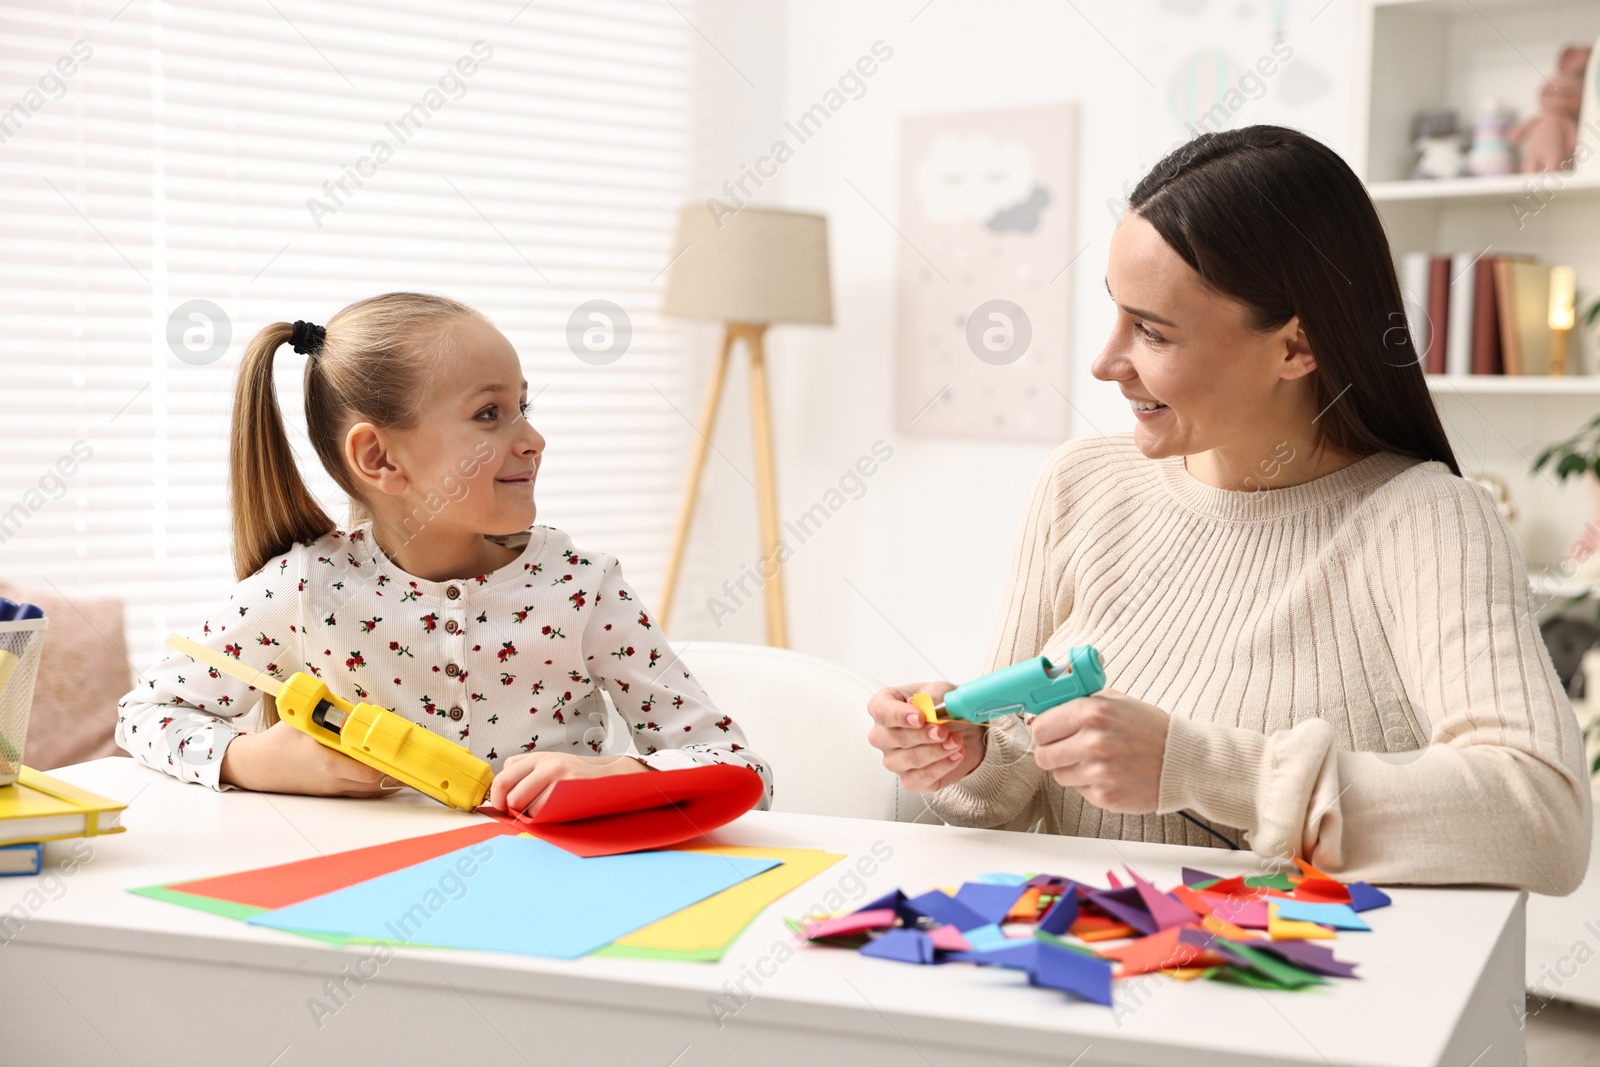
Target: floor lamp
(746, 268)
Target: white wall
(906, 582)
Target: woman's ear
(368, 454)
(1298, 360)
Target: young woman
(1317, 635)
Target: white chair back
(807, 717)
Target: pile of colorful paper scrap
(1254, 930)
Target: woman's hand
(927, 757)
(281, 759)
(1108, 746)
(523, 784)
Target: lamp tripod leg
(766, 490)
(691, 488)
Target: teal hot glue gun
(1030, 687)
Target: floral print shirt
(508, 662)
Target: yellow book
(41, 808)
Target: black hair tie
(307, 338)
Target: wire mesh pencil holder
(21, 642)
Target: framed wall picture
(987, 212)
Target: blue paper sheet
(1020, 955)
(1002, 878)
(907, 946)
(527, 897)
(993, 902)
(1364, 897)
(945, 909)
(1062, 914)
(1338, 916)
(987, 938)
(1059, 968)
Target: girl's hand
(281, 759)
(523, 784)
(1108, 746)
(927, 757)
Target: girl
(1317, 635)
(443, 602)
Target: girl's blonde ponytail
(272, 508)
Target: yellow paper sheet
(718, 919)
(1294, 929)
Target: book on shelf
(1474, 314)
(1462, 300)
(1438, 305)
(1485, 324)
(41, 808)
(1527, 331)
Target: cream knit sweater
(1352, 667)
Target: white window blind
(176, 162)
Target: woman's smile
(1145, 410)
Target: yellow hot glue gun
(366, 733)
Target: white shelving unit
(1500, 187)
(1415, 55)
(1428, 54)
(1517, 385)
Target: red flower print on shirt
(507, 650)
(578, 600)
(430, 622)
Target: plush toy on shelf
(1438, 145)
(1549, 138)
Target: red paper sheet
(290, 883)
(630, 812)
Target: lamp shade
(753, 265)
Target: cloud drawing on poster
(973, 178)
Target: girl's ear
(367, 452)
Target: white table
(1564, 933)
(92, 974)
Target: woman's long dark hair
(1278, 222)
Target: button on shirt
(508, 662)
